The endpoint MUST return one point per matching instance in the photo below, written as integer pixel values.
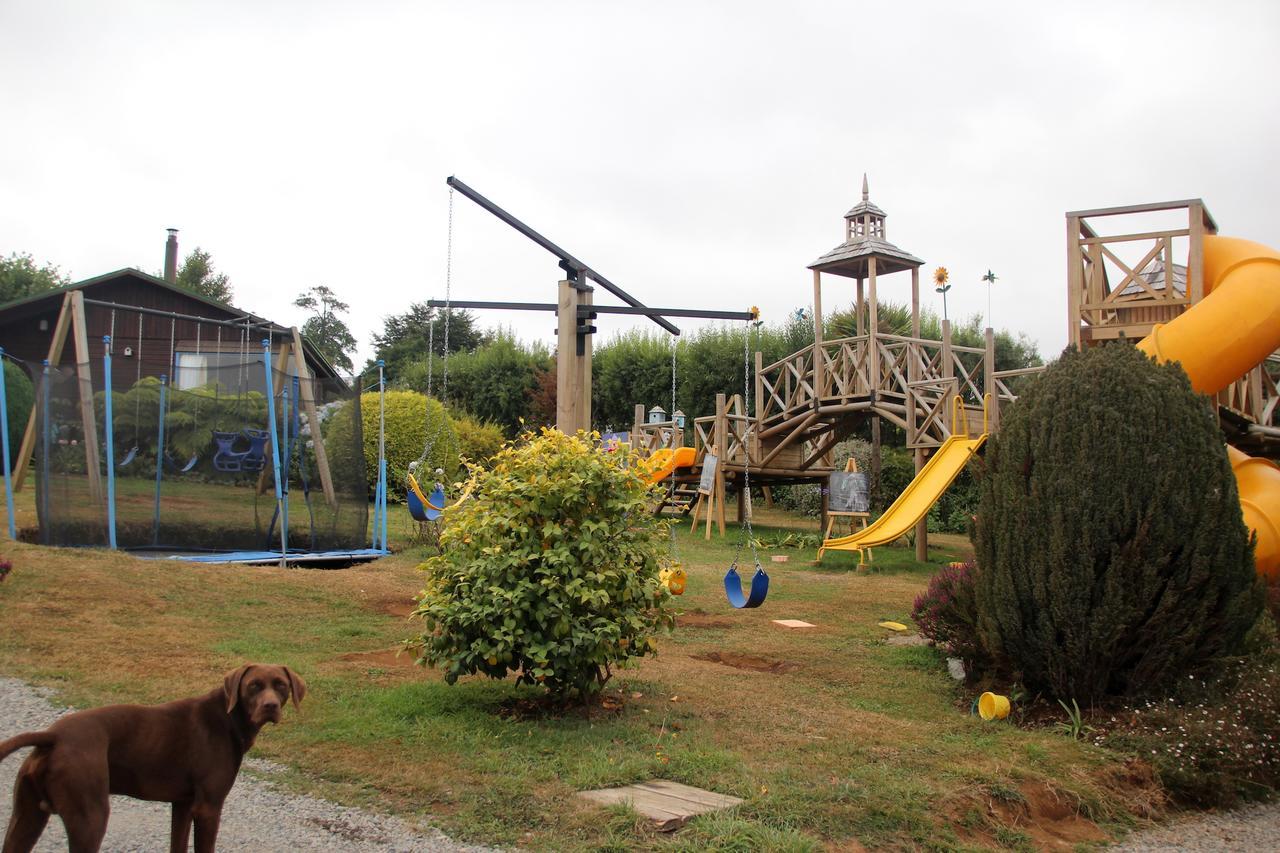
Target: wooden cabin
(177, 333)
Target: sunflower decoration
(940, 276)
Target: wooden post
(722, 445)
(759, 419)
(308, 394)
(92, 457)
(1075, 279)
(824, 518)
(948, 373)
(818, 361)
(860, 328)
(23, 460)
(922, 526)
(915, 302)
(568, 371)
(584, 371)
(1195, 255)
(873, 323)
(637, 432)
(875, 455)
(861, 308)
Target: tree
(197, 275)
(405, 337)
(495, 382)
(20, 277)
(1112, 557)
(325, 328)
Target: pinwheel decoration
(940, 276)
(990, 279)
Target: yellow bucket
(992, 706)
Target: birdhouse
(657, 415)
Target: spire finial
(866, 192)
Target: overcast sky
(698, 154)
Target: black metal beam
(571, 264)
(587, 310)
(500, 306)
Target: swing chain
(448, 297)
(745, 532)
(675, 552)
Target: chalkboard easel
(857, 518)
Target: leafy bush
(550, 571)
(20, 395)
(1114, 558)
(477, 440)
(1217, 742)
(413, 419)
(947, 613)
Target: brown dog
(186, 753)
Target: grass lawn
(833, 737)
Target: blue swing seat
(128, 457)
(733, 587)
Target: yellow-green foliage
(479, 440)
(549, 571)
(412, 420)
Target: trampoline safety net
(195, 461)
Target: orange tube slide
(1235, 327)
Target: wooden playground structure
(807, 402)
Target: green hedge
(20, 396)
(412, 419)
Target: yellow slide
(1235, 326)
(914, 502)
(663, 462)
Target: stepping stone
(793, 623)
(668, 804)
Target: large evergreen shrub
(550, 570)
(1110, 543)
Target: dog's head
(261, 690)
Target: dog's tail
(25, 739)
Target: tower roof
(865, 239)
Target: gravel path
(257, 815)
(1254, 828)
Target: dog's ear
(231, 686)
(297, 687)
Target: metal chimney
(171, 257)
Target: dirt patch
(702, 619)
(738, 660)
(1050, 818)
(906, 640)
(400, 608)
(382, 658)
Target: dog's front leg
(180, 828)
(207, 818)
